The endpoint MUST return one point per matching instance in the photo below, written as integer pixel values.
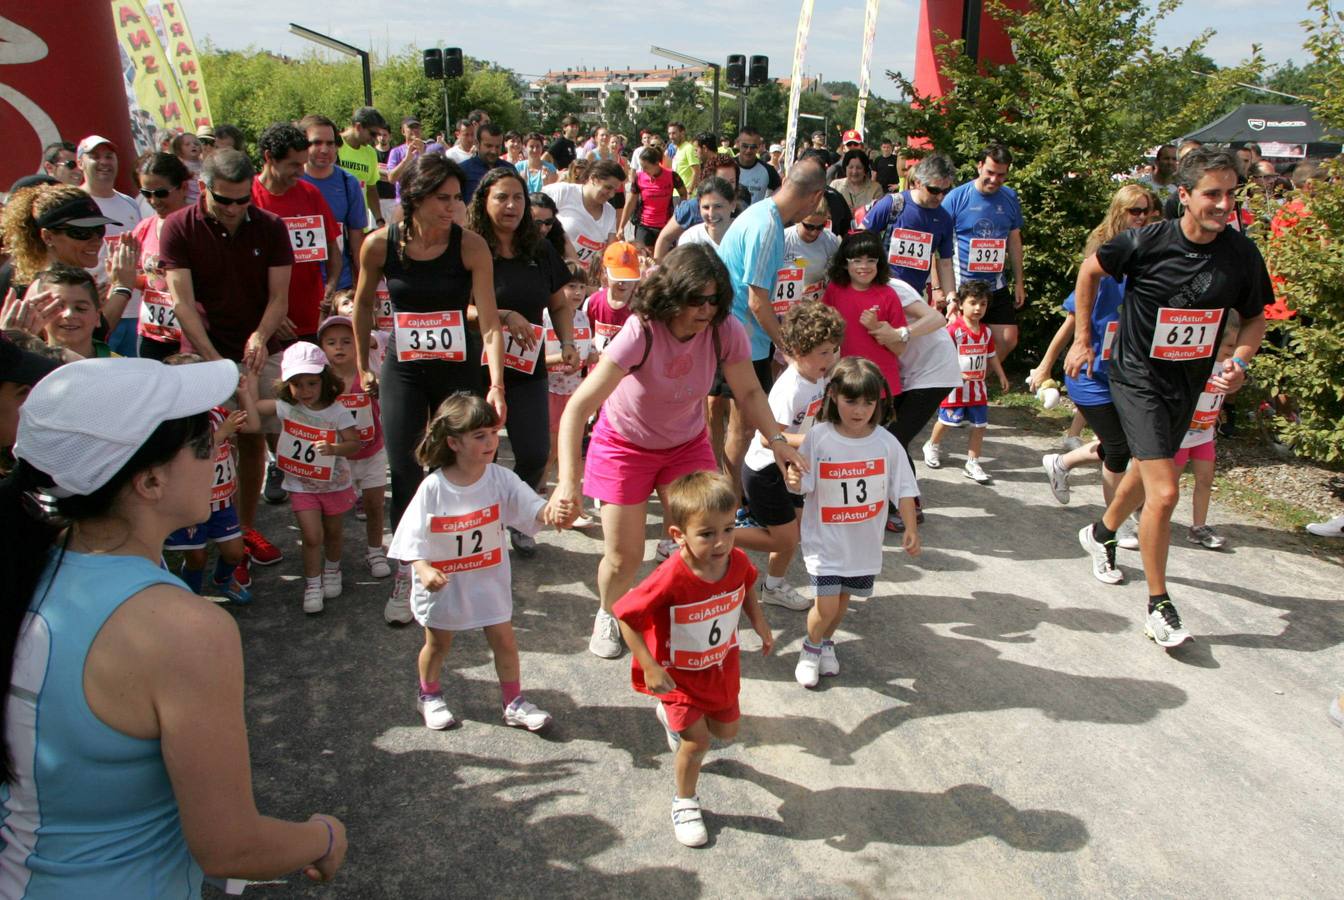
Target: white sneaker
(673, 739)
(1058, 475)
(606, 639)
(1127, 535)
(398, 608)
(829, 664)
(933, 457)
(784, 596)
(377, 560)
(584, 521)
(312, 598)
(1103, 562)
(974, 472)
(522, 714)
(687, 822)
(1071, 443)
(808, 670)
(666, 547)
(331, 583)
(435, 711)
(1333, 529)
(1164, 626)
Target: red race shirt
(690, 627)
(309, 223)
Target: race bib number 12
(467, 542)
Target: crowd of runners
(754, 344)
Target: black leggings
(911, 411)
(1105, 424)
(529, 426)
(409, 393)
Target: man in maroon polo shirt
(233, 261)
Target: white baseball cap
(82, 423)
(91, 143)
(302, 358)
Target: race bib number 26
(297, 453)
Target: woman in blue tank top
(125, 771)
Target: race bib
(158, 322)
(788, 289)
(804, 425)
(911, 249)
(588, 249)
(583, 342)
(439, 335)
(225, 477)
(382, 308)
(973, 359)
(814, 291)
(987, 255)
(516, 356)
(851, 492)
(703, 633)
(467, 542)
(360, 406)
(1207, 410)
(1108, 340)
(296, 451)
(1184, 334)
(308, 237)
(603, 332)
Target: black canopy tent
(1290, 131)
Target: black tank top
(427, 285)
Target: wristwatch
(779, 438)
(903, 334)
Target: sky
(598, 33)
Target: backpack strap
(648, 348)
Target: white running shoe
(1103, 560)
(673, 739)
(1164, 626)
(1058, 475)
(808, 670)
(522, 714)
(933, 455)
(606, 639)
(830, 665)
(331, 583)
(687, 822)
(377, 560)
(312, 598)
(434, 711)
(666, 547)
(784, 596)
(1205, 536)
(397, 611)
(1127, 535)
(974, 472)
(1071, 443)
(1332, 529)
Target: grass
(1283, 513)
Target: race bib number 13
(1184, 334)
(851, 492)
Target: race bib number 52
(308, 237)
(1183, 334)
(851, 492)
(703, 633)
(467, 542)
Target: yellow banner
(869, 34)
(185, 63)
(149, 69)
(796, 80)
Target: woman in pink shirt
(164, 182)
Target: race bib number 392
(851, 492)
(987, 255)
(1184, 334)
(703, 633)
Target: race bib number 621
(1183, 334)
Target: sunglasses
(65, 163)
(809, 227)
(936, 191)
(77, 233)
(544, 223)
(157, 193)
(699, 300)
(231, 201)
(1138, 210)
(748, 146)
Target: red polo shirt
(309, 224)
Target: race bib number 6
(308, 237)
(851, 492)
(987, 255)
(911, 249)
(467, 542)
(1184, 334)
(431, 336)
(297, 451)
(703, 633)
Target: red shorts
(1205, 452)
(330, 503)
(682, 714)
(617, 471)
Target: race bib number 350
(987, 255)
(911, 249)
(297, 453)
(1184, 334)
(308, 237)
(703, 633)
(467, 542)
(851, 492)
(437, 335)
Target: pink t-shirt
(858, 342)
(662, 403)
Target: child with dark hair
(875, 323)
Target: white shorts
(371, 472)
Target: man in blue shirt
(340, 189)
(916, 229)
(988, 221)
(489, 144)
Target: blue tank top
(1096, 391)
(91, 812)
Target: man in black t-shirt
(886, 167)
(564, 151)
(1180, 278)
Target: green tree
(554, 103)
(616, 115)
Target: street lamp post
(693, 61)
(340, 47)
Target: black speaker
(759, 71)
(434, 64)
(452, 62)
(737, 70)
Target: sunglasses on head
(1137, 210)
(78, 233)
(157, 193)
(65, 163)
(231, 201)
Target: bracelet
(494, 387)
(567, 344)
(1241, 362)
(121, 289)
(779, 438)
(331, 839)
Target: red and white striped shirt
(974, 350)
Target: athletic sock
(510, 691)
(774, 582)
(329, 565)
(1154, 600)
(429, 687)
(193, 578)
(223, 571)
(809, 647)
(1102, 533)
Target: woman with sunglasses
(544, 216)
(164, 183)
(651, 385)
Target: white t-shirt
(846, 488)
(816, 258)
(697, 234)
(587, 235)
(457, 154)
(795, 403)
(566, 383)
(930, 360)
(294, 452)
(125, 210)
(461, 530)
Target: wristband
(331, 839)
(121, 289)
(1241, 362)
(779, 438)
(567, 344)
(494, 387)
(903, 334)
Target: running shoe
(1127, 535)
(974, 472)
(673, 739)
(261, 551)
(933, 457)
(434, 711)
(377, 560)
(312, 598)
(606, 639)
(666, 547)
(830, 665)
(522, 714)
(1205, 536)
(1071, 443)
(237, 593)
(272, 492)
(1164, 626)
(895, 523)
(524, 544)
(331, 582)
(584, 521)
(687, 822)
(1103, 557)
(360, 514)
(808, 670)
(784, 596)
(1058, 475)
(1333, 529)
(397, 611)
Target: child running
(854, 469)
(231, 576)
(316, 436)
(812, 335)
(970, 402)
(681, 626)
(1199, 447)
(452, 534)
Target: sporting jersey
(794, 403)
(760, 179)
(311, 225)
(224, 483)
(460, 530)
(361, 163)
(697, 234)
(974, 350)
(1096, 390)
(690, 628)
(343, 194)
(1203, 424)
(753, 252)
(1176, 294)
(586, 234)
(983, 223)
(560, 381)
(846, 488)
(536, 179)
(301, 428)
(606, 321)
(913, 235)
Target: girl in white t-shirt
(452, 534)
(563, 380)
(854, 469)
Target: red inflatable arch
(958, 19)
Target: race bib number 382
(851, 492)
(703, 633)
(1184, 334)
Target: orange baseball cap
(621, 260)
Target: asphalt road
(1001, 727)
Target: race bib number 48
(467, 542)
(911, 249)
(297, 451)
(158, 322)
(437, 335)
(703, 633)
(308, 237)
(851, 492)
(1184, 334)
(788, 289)
(987, 255)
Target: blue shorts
(958, 416)
(221, 526)
(835, 585)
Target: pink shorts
(557, 404)
(617, 471)
(330, 503)
(1205, 452)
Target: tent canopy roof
(1264, 122)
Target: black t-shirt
(1168, 337)
(526, 285)
(885, 170)
(386, 189)
(563, 151)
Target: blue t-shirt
(753, 251)
(535, 180)
(982, 223)
(932, 225)
(687, 213)
(1096, 390)
(343, 194)
(475, 168)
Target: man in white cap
(97, 156)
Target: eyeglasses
(807, 226)
(157, 193)
(936, 191)
(77, 233)
(1138, 210)
(231, 201)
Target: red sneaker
(242, 574)
(262, 551)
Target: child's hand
(430, 578)
(247, 384)
(793, 479)
(322, 448)
(1003, 382)
(594, 358)
(559, 511)
(658, 681)
(762, 628)
(231, 425)
(911, 542)
(868, 319)
(1035, 377)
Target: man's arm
(1019, 273)
(188, 319)
(335, 265)
(371, 198)
(758, 300)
